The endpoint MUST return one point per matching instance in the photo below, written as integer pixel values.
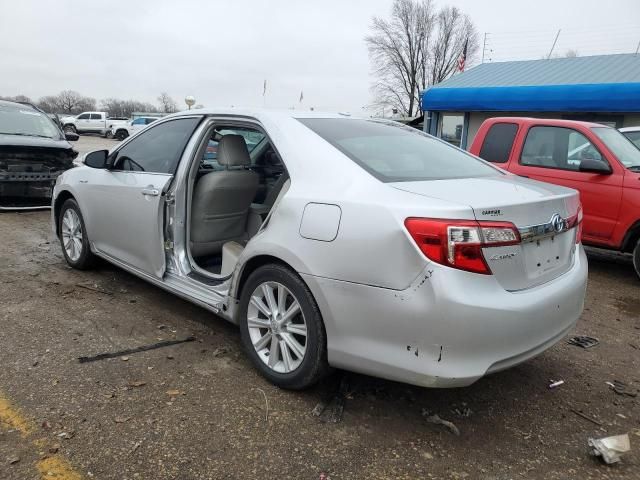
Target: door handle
(150, 192)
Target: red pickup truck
(596, 160)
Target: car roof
(547, 121)
(261, 113)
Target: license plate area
(548, 255)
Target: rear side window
(96, 116)
(393, 152)
(138, 121)
(158, 149)
(634, 137)
(557, 147)
(498, 142)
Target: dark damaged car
(33, 153)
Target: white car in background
(123, 130)
(633, 134)
(333, 241)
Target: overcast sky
(222, 51)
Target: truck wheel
(121, 135)
(636, 258)
(70, 128)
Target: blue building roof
(603, 83)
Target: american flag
(463, 56)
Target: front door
(83, 122)
(124, 212)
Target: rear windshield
(620, 145)
(393, 152)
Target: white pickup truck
(91, 122)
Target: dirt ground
(198, 410)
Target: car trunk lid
(544, 214)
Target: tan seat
(221, 199)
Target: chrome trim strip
(554, 226)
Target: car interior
(238, 180)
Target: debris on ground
(175, 393)
(436, 420)
(94, 287)
(13, 460)
(586, 417)
(610, 448)
(121, 419)
(54, 448)
(137, 384)
(143, 348)
(324, 476)
(220, 351)
(135, 447)
(621, 388)
(462, 410)
(266, 408)
(555, 383)
(583, 341)
(331, 407)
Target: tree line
(418, 46)
(71, 102)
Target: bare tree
(397, 50)
(67, 101)
(453, 30)
(124, 108)
(167, 104)
(416, 48)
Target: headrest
(233, 152)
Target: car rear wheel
(636, 258)
(73, 236)
(282, 329)
(121, 135)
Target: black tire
(70, 128)
(121, 135)
(314, 365)
(636, 258)
(86, 259)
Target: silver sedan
(334, 241)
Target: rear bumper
(449, 328)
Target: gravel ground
(198, 410)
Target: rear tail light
(459, 243)
(576, 221)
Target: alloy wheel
(72, 234)
(277, 327)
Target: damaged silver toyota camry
(334, 241)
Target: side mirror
(589, 165)
(71, 137)
(97, 159)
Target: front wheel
(636, 258)
(282, 329)
(73, 236)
